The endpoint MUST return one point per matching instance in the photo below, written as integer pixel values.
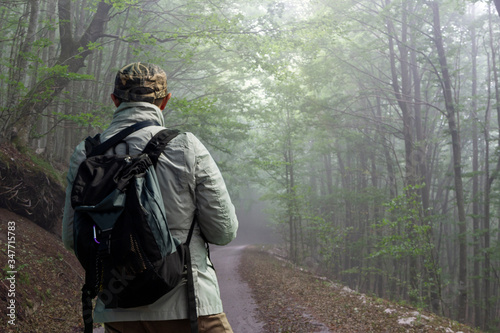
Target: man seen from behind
(190, 182)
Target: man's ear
(165, 101)
(116, 100)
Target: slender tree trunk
(50, 58)
(15, 58)
(486, 220)
(451, 116)
(290, 190)
(490, 177)
(378, 214)
(346, 187)
(391, 184)
(431, 263)
(475, 179)
(3, 14)
(402, 93)
(80, 19)
(20, 66)
(114, 64)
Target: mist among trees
(370, 127)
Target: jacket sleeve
(67, 222)
(216, 214)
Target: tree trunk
(475, 179)
(490, 177)
(346, 182)
(451, 116)
(20, 65)
(402, 93)
(431, 263)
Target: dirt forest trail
(239, 305)
(237, 300)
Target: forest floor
(47, 279)
(291, 299)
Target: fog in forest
(362, 136)
(255, 226)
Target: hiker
(190, 182)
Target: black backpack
(121, 235)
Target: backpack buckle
(95, 236)
(103, 238)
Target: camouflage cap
(141, 82)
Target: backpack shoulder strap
(115, 139)
(192, 313)
(154, 149)
(91, 142)
(158, 142)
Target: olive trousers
(206, 324)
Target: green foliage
(43, 43)
(91, 46)
(204, 117)
(405, 236)
(122, 4)
(405, 233)
(95, 119)
(143, 38)
(62, 71)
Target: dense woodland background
(371, 127)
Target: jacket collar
(129, 113)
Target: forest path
(237, 299)
(242, 309)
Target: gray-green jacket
(189, 179)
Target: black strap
(192, 313)
(87, 309)
(91, 142)
(115, 139)
(191, 228)
(158, 142)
